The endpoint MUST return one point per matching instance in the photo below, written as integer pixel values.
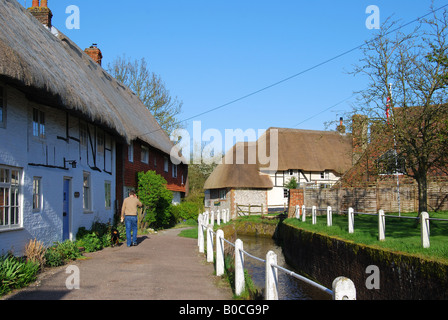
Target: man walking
(129, 212)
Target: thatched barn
(316, 159)
(64, 126)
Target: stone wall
(401, 277)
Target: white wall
(19, 149)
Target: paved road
(162, 267)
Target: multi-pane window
(2, 108)
(9, 198)
(174, 171)
(145, 155)
(38, 123)
(86, 192)
(131, 152)
(37, 193)
(107, 194)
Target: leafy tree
(156, 199)
(150, 88)
(416, 64)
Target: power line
(305, 71)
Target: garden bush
(156, 199)
(185, 211)
(61, 252)
(16, 273)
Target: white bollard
(425, 230)
(219, 253)
(297, 212)
(329, 216)
(218, 217)
(303, 213)
(200, 221)
(201, 238)
(351, 220)
(271, 290)
(206, 216)
(212, 218)
(343, 289)
(314, 213)
(381, 226)
(209, 243)
(239, 268)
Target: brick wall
(296, 198)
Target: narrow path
(162, 267)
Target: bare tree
(150, 88)
(407, 93)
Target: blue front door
(66, 211)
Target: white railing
(342, 287)
(301, 212)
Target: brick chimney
(94, 53)
(42, 12)
(341, 128)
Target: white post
(224, 216)
(329, 216)
(218, 217)
(228, 215)
(425, 229)
(219, 253)
(201, 236)
(206, 216)
(271, 290)
(200, 218)
(314, 212)
(212, 218)
(381, 226)
(297, 212)
(239, 268)
(303, 213)
(209, 243)
(351, 220)
(343, 289)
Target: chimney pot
(35, 3)
(42, 13)
(44, 3)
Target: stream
(289, 288)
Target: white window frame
(13, 191)
(165, 165)
(174, 174)
(38, 118)
(131, 152)
(37, 194)
(144, 157)
(108, 194)
(86, 192)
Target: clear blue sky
(211, 52)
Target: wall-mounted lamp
(72, 162)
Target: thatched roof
(305, 150)
(238, 171)
(311, 150)
(53, 70)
